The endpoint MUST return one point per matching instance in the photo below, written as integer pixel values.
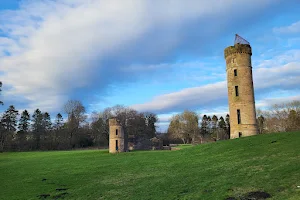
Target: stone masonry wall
(113, 126)
(238, 58)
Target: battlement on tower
(238, 48)
(114, 122)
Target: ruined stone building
(120, 141)
(117, 138)
(240, 89)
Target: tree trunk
(183, 140)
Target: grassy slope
(208, 171)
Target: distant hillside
(232, 169)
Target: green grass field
(184, 146)
(231, 168)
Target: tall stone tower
(240, 89)
(116, 137)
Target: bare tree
(99, 131)
(76, 117)
(75, 108)
(184, 126)
(175, 129)
(280, 117)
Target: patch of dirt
(62, 195)
(61, 189)
(43, 196)
(184, 191)
(231, 198)
(256, 195)
(280, 189)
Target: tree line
(26, 132)
(283, 117)
(188, 128)
(22, 131)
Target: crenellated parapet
(114, 122)
(238, 48)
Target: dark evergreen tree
(204, 125)
(24, 126)
(47, 124)
(24, 122)
(59, 137)
(9, 119)
(37, 121)
(222, 130)
(222, 123)
(214, 123)
(58, 124)
(37, 127)
(150, 120)
(209, 125)
(227, 120)
(8, 126)
(98, 127)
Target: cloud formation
(291, 29)
(266, 78)
(55, 50)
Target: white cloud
(281, 73)
(164, 119)
(286, 76)
(291, 29)
(55, 47)
(189, 97)
(278, 58)
(265, 103)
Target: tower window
(236, 91)
(117, 145)
(235, 72)
(233, 60)
(117, 131)
(239, 116)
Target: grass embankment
(214, 171)
(184, 146)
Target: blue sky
(158, 56)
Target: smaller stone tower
(240, 89)
(116, 137)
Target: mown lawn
(184, 146)
(269, 163)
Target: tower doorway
(117, 146)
